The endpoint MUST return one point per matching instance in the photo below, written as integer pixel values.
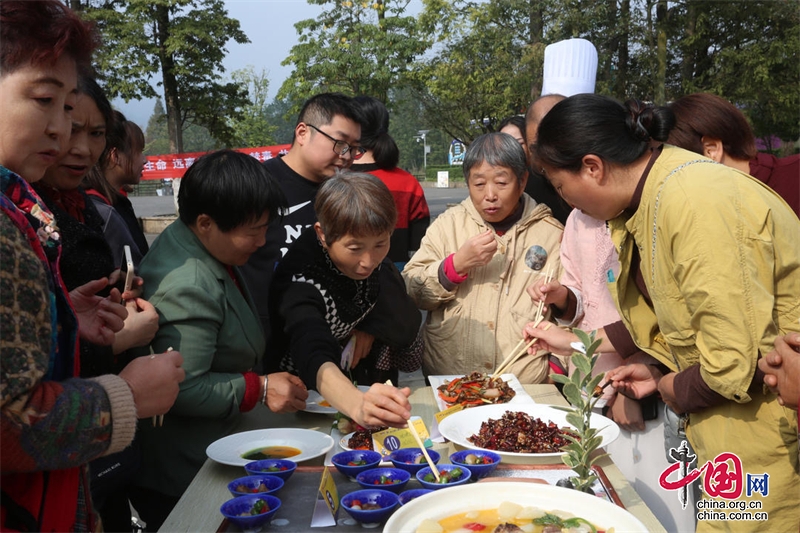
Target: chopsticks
(514, 355)
(413, 431)
(158, 420)
(421, 445)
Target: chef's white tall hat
(570, 67)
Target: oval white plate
(463, 424)
(443, 503)
(229, 450)
(314, 399)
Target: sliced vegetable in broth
(271, 452)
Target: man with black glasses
(326, 139)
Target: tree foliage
(253, 127)
(183, 41)
(490, 54)
(354, 47)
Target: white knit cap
(570, 67)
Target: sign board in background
(443, 179)
(173, 166)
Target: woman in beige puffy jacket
(475, 262)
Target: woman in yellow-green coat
(710, 276)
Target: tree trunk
(689, 53)
(659, 93)
(172, 101)
(536, 36)
(622, 51)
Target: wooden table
(198, 509)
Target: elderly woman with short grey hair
(476, 261)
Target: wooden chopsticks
(158, 420)
(516, 353)
(417, 438)
(413, 431)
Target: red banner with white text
(171, 166)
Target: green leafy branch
(579, 390)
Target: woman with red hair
(52, 422)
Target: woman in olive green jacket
(205, 311)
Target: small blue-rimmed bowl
(263, 484)
(237, 511)
(370, 518)
(408, 495)
(480, 463)
(427, 479)
(352, 463)
(412, 460)
(283, 468)
(392, 479)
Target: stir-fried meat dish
(362, 439)
(520, 432)
(476, 389)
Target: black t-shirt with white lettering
(300, 194)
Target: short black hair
(319, 110)
(230, 187)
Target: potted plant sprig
(579, 389)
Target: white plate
(443, 503)
(314, 399)
(229, 450)
(344, 440)
(511, 379)
(463, 424)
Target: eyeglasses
(341, 148)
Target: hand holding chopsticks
(515, 354)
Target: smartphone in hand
(126, 271)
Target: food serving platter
(443, 503)
(315, 403)
(521, 397)
(463, 424)
(229, 450)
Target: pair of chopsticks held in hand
(421, 445)
(158, 420)
(516, 353)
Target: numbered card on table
(327, 504)
(392, 439)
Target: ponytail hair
(591, 124)
(375, 132)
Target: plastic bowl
(408, 495)
(406, 459)
(433, 485)
(392, 479)
(252, 483)
(480, 469)
(232, 510)
(282, 468)
(342, 462)
(372, 518)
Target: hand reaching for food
(636, 380)
(552, 339)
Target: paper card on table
(438, 417)
(327, 505)
(392, 439)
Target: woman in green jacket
(710, 276)
(192, 278)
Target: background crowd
(660, 227)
